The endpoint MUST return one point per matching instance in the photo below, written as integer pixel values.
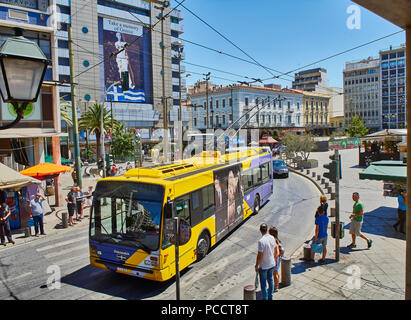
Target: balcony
(384, 77)
(385, 94)
(384, 86)
(177, 42)
(177, 27)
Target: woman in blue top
(321, 223)
(402, 210)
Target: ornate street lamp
(22, 69)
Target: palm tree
(91, 119)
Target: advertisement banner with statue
(126, 49)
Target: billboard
(127, 56)
(229, 195)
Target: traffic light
(109, 161)
(332, 169)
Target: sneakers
(369, 243)
(352, 245)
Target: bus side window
(196, 208)
(183, 209)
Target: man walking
(4, 224)
(357, 218)
(402, 210)
(37, 213)
(265, 262)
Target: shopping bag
(317, 247)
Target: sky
(282, 35)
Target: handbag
(317, 247)
(257, 282)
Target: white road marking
(60, 244)
(71, 259)
(20, 276)
(61, 252)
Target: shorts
(355, 227)
(71, 211)
(323, 241)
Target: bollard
(318, 178)
(285, 271)
(329, 190)
(332, 197)
(332, 212)
(313, 174)
(249, 292)
(307, 252)
(322, 181)
(27, 232)
(302, 169)
(308, 171)
(326, 185)
(64, 219)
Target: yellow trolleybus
(132, 214)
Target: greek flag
(132, 95)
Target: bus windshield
(127, 213)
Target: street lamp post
(22, 69)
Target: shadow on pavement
(115, 284)
(380, 222)
(304, 265)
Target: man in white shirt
(265, 262)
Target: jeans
(266, 275)
(38, 221)
(5, 231)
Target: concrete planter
(308, 164)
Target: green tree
(65, 112)
(122, 144)
(356, 128)
(299, 145)
(91, 119)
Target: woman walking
(278, 253)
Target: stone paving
(377, 273)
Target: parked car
(280, 169)
(278, 150)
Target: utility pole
(337, 206)
(180, 114)
(74, 111)
(166, 141)
(207, 77)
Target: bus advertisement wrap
(229, 196)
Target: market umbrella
(11, 179)
(268, 140)
(391, 173)
(43, 171)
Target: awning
(389, 173)
(44, 170)
(50, 159)
(11, 179)
(268, 140)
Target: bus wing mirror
(168, 210)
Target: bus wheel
(257, 204)
(203, 244)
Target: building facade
(103, 28)
(393, 88)
(362, 92)
(316, 112)
(226, 105)
(38, 134)
(310, 80)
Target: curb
(309, 178)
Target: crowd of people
(77, 200)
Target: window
(230, 102)
(195, 122)
(208, 196)
(223, 103)
(183, 208)
(216, 103)
(246, 102)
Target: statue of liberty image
(123, 62)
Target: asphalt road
(28, 271)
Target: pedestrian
(323, 204)
(79, 203)
(321, 235)
(113, 170)
(4, 224)
(278, 253)
(89, 194)
(71, 205)
(265, 262)
(402, 210)
(74, 175)
(129, 166)
(357, 218)
(37, 213)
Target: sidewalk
(377, 273)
